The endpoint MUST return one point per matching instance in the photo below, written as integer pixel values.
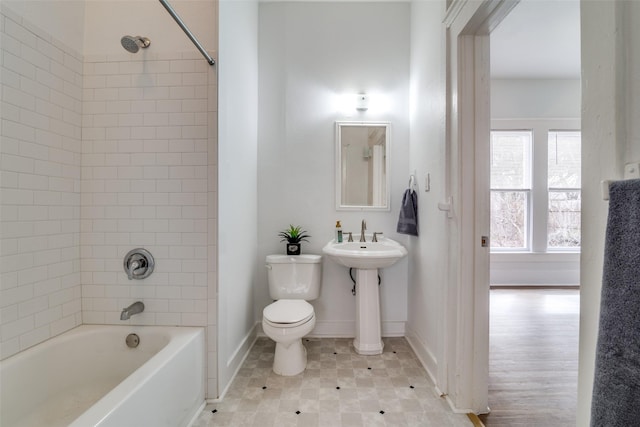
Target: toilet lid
(288, 311)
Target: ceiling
(538, 39)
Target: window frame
(538, 201)
(527, 190)
(556, 249)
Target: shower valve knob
(138, 264)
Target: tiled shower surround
(144, 184)
(40, 177)
(101, 155)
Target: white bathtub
(89, 377)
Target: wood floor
(533, 366)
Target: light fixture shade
(362, 102)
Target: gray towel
(616, 389)
(408, 221)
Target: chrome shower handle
(138, 264)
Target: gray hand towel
(408, 220)
(616, 389)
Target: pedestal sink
(366, 257)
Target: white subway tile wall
(148, 149)
(40, 158)
(100, 155)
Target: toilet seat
(288, 313)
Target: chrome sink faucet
(135, 308)
(362, 230)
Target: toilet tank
(294, 277)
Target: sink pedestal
(368, 339)
(366, 257)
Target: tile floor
(338, 388)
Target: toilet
(293, 280)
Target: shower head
(133, 44)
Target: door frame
(468, 23)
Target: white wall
(237, 182)
(108, 21)
(310, 53)
(610, 138)
(428, 253)
(535, 98)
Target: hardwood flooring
(533, 366)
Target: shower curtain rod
(187, 32)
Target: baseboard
(345, 329)
(430, 364)
(455, 409)
(426, 358)
(394, 329)
(534, 286)
(237, 359)
(196, 415)
(334, 329)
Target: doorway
(535, 156)
(466, 348)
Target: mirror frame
(338, 166)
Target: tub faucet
(135, 308)
(362, 230)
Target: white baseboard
(334, 329)
(196, 415)
(394, 329)
(535, 269)
(346, 329)
(237, 359)
(430, 364)
(427, 359)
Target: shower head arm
(189, 34)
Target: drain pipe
(353, 290)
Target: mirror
(362, 164)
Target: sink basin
(365, 255)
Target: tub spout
(135, 308)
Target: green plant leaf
(294, 234)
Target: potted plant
(293, 236)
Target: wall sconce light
(362, 102)
(349, 104)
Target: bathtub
(90, 377)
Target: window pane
(511, 159)
(564, 159)
(563, 226)
(508, 219)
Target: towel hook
(412, 182)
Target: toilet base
(291, 360)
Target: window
(510, 188)
(535, 190)
(563, 177)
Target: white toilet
(293, 280)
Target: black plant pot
(293, 248)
